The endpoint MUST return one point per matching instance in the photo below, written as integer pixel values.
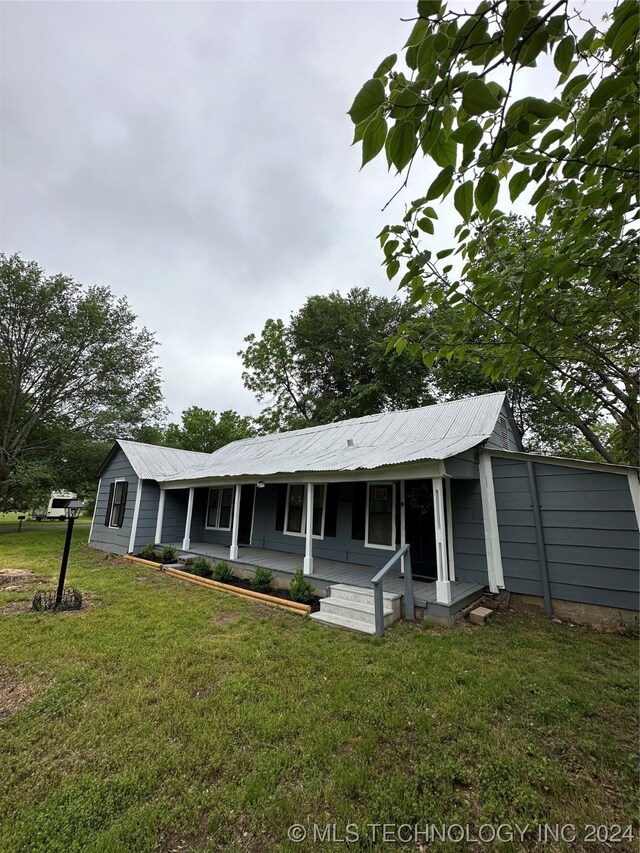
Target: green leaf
(625, 37)
(373, 140)
(426, 225)
(392, 269)
(428, 7)
(477, 98)
(385, 66)
(463, 200)
(441, 183)
(367, 101)
(401, 143)
(563, 57)
(517, 17)
(444, 150)
(486, 194)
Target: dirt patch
(15, 608)
(15, 579)
(15, 692)
(224, 617)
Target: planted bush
(222, 572)
(169, 554)
(201, 567)
(262, 580)
(149, 552)
(300, 588)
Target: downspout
(542, 555)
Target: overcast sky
(196, 158)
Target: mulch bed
(244, 583)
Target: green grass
(168, 717)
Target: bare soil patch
(15, 692)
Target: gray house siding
(175, 516)
(339, 547)
(114, 539)
(147, 515)
(589, 527)
(463, 465)
(468, 532)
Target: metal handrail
(378, 593)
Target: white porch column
(403, 524)
(186, 542)
(308, 540)
(95, 509)
(233, 551)
(160, 519)
(490, 518)
(450, 550)
(443, 584)
(136, 515)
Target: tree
(74, 370)
(560, 291)
(329, 363)
(205, 431)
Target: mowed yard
(168, 717)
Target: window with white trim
(118, 503)
(296, 514)
(381, 527)
(219, 509)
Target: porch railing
(378, 592)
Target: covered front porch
(327, 572)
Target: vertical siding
(463, 465)
(468, 532)
(114, 539)
(513, 439)
(175, 516)
(589, 527)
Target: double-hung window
(296, 515)
(380, 532)
(116, 503)
(219, 509)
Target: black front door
(420, 527)
(245, 524)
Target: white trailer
(54, 510)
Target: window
(114, 517)
(59, 503)
(296, 517)
(219, 509)
(380, 531)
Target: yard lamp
(71, 511)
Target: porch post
(490, 519)
(450, 548)
(403, 524)
(186, 542)
(443, 584)
(233, 551)
(160, 520)
(308, 540)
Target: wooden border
(149, 563)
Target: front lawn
(168, 717)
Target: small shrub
(149, 552)
(168, 554)
(262, 580)
(201, 567)
(222, 572)
(300, 588)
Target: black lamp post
(71, 512)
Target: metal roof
(431, 433)
(151, 462)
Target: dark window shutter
(358, 510)
(123, 504)
(281, 505)
(396, 486)
(331, 509)
(107, 516)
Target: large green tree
(74, 371)
(206, 431)
(330, 363)
(559, 291)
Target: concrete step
(364, 595)
(355, 611)
(339, 622)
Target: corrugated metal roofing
(392, 438)
(151, 462)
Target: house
(450, 480)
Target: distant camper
(54, 510)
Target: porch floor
(328, 572)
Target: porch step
(352, 607)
